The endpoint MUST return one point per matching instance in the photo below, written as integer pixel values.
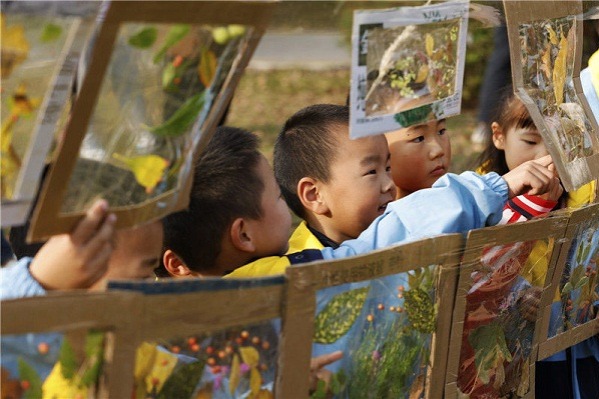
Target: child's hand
(529, 302)
(532, 177)
(79, 259)
(318, 372)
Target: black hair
(511, 113)
(306, 148)
(226, 186)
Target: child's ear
(241, 235)
(309, 194)
(498, 136)
(175, 266)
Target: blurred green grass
(263, 101)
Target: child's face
(275, 224)
(420, 155)
(360, 185)
(519, 144)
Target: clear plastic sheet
(162, 81)
(40, 45)
(501, 313)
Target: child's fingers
(90, 223)
(97, 265)
(102, 236)
(545, 161)
(323, 360)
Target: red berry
(209, 350)
(191, 341)
(43, 348)
(195, 348)
(25, 385)
(255, 340)
(175, 349)
(265, 345)
(244, 334)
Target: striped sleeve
(525, 207)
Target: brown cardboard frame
(559, 342)
(478, 240)
(69, 311)
(16, 210)
(305, 280)
(581, 171)
(47, 219)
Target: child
(516, 140)
(84, 259)
(420, 155)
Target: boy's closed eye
(442, 131)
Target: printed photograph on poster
(407, 66)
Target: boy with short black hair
(235, 213)
(338, 186)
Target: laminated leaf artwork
(39, 49)
(407, 66)
(572, 314)
(385, 328)
(546, 49)
(51, 365)
(211, 353)
(152, 92)
(499, 325)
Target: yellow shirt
(302, 238)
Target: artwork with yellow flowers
(40, 47)
(407, 66)
(546, 52)
(152, 91)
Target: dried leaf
(552, 35)
(235, 375)
(422, 74)
(546, 62)
(559, 71)
(524, 385)
(255, 381)
(249, 355)
(417, 387)
(207, 67)
(429, 44)
(147, 169)
(14, 47)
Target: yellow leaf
(429, 44)
(264, 394)
(207, 67)
(559, 71)
(255, 382)
(249, 355)
(552, 35)
(546, 62)
(147, 169)
(235, 376)
(57, 386)
(205, 393)
(153, 366)
(14, 47)
(422, 74)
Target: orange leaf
(559, 71)
(207, 67)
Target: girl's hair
(512, 113)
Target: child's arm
(455, 204)
(67, 261)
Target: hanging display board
(407, 66)
(496, 321)
(546, 53)
(570, 314)
(157, 82)
(389, 312)
(41, 45)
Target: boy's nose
(436, 149)
(388, 185)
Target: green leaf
(144, 38)
(337, 317)
(28, 373)
(174, 35)
(567, 288)
(490, 349)
(51, 32)
(67, 359)
(168, 74)
(414, 116)
(183, 381)
(581, 282)
(94, 351)
(182, 119)
(321, 390)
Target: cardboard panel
(210, 337)
(571, 314)
(496, 321)
(546, 52)
(91, 334)
(158, 80)
(41, 46)
(370, 306)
